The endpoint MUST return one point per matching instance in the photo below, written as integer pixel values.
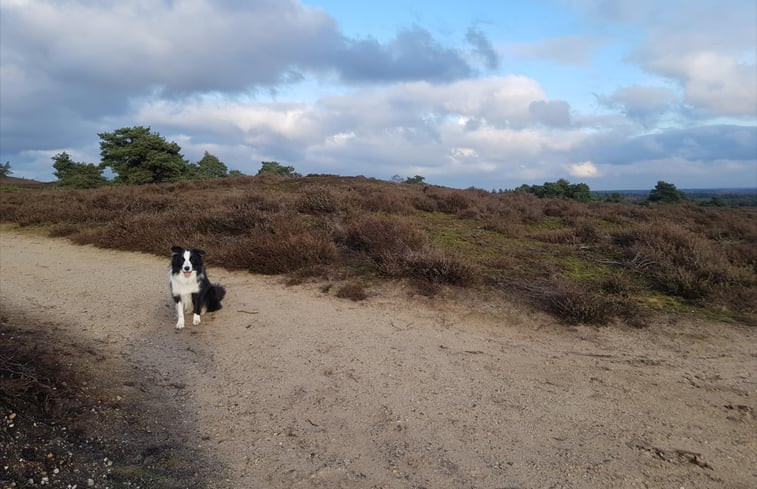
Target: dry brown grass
(584, 262)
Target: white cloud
(713, 81)
(340, 139)
(499, 100)
(710, 52)
(587, 169)
(646, 104)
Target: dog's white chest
(183, 286)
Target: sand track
(287, 387)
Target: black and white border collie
(190, 287)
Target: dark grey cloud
(412, 55)
(73, 63)
(483, 47)
(554, 113)
(643, 104)
(702, 144)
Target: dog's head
(186, 261)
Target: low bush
(280, 245)
(378, 200)
(378, 236)
(581, 305)
(352, 291)
(451, 201)
(438, 267)
(319, 200)
(680, 262)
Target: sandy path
(290, 388)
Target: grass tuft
(352, 291)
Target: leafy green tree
(139, 156)
(555, 190)
(561, 189)
(235, 173)
(580, 192)
(666, 192)
(416, 180)
(275, 168)
(77, 175)
(615, 198)
(5, 169)
(211, 167)
(714, 202)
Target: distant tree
(139, 156)
(555, 190)
(210, 167)
(615, 198)
(714, 201)
(235, 173)
(5, 169)
(666, 192)
(561, 189)
(275, 168)
(580, 192)
(416, 180)
(77, 175)
(397, 179)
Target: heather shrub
(437, 267)
(237, 220)
(576, 304)
(390, 202)
(377, 236)
(618, 284)
(424, 203)
(451, 201)
(261, 202)
(272, 253)
(63, 230)
(146, 232)
(556, 208)
(565, 236)
(680, 262)
(506, 222)
(587, 232)
(352, 291)
(526, 208)
(318, 200)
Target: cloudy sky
(616, 93)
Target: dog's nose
(186, 268)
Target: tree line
(136, 156)
(663, 192)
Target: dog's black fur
(191, 289)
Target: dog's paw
(180, 324)
(195, 319)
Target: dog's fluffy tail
(215, 296)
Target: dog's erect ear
(175, 250)
(199, 252)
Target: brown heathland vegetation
(583, 262)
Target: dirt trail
(287, 387)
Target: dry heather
(583, 262)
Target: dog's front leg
(179, 312)
(197, 306)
